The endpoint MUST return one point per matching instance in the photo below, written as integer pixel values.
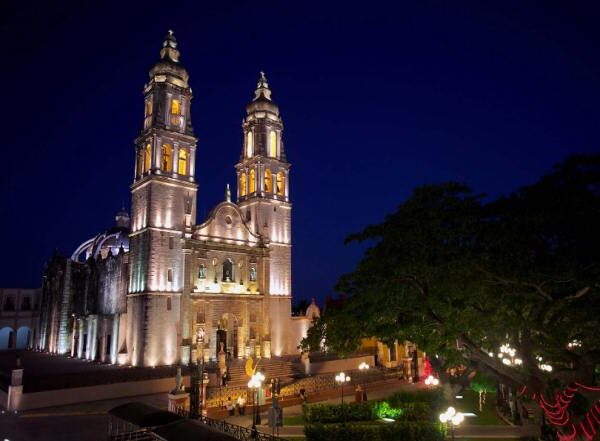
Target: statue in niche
(253, 274)
(202, 272)
(227, 270)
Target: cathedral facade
(160, 288)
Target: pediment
(225, 223)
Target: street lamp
(431, 381)
(452, 418)
(200, 360)
(255, 384)
(364, 367)
(342, 379)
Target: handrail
(238, 432)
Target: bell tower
(263, 197)
(163, 206)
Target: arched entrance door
(228, 334)
(6, 338)
(23, 335)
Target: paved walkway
(380, 391)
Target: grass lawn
(487, 439)
(485, 417)
(293, 420)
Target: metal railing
(238, 432)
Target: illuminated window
(243, 184)
(140, 162)
(167, 157)
(175, 107)
(147, 157)
(268, 181)
(148, 108)
(182, 164)
(273, 144)
(280, 184)
(249, 146)
(252, 182)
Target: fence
(216, 397)
(239, 432)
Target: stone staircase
(274, 367)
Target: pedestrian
(278, 386)
(241, 403)
(229, 406)
(303, 395)
(224, 378)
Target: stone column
(80, 325)
(184, 311)
(114, 344)
(65, 316)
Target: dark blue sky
(377, 98)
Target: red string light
(558, 415)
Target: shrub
(333, 413)
(365, 411)
(402, 430)
(433, 397)
(382, 409)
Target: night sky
(376, 99)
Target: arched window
(280, 184)
(182, 164)
(268, 181)
(227, 270)
(249, 145)
(147, 157)
(140, 162)
(202, 271)
(243, 184)
(252, 182)
(175, 107)
(167, 157)
(273, 144)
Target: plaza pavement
(89, 421)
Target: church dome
(111, 241)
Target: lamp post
(431, 381)
(200, 360)
(342, 379)
(452, 418)
(364, 367)
(255, 384)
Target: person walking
(241, 404)
(229, 406)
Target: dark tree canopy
(459, 276)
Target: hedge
(433, 397)
(401, 430)
(365, 411)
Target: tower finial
(169, 49)
(227, 193)
(262, 88)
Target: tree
(459, 276)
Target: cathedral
(159, 288)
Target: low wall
(61, 397)
(340, 364)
